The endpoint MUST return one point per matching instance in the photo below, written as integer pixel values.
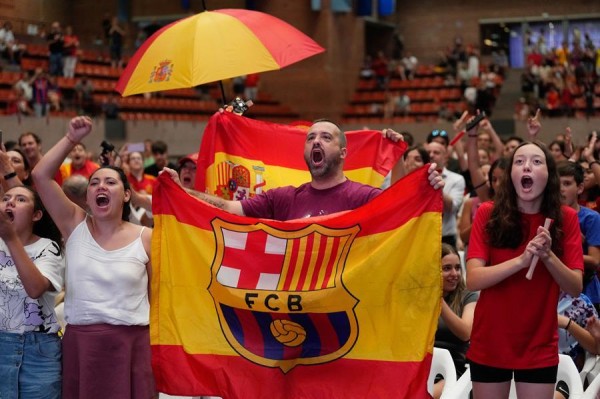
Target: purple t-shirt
(286, 203)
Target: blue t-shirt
(589, 222)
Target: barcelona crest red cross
(279, 294)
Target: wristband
(10, 175)
(568, 324)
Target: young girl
(31, 274)
(106, 347)
(515, 325)
(455, 322)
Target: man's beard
(328, 168)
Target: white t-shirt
(18, 312)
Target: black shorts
(481, 373)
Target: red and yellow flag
(241, 157)
(339, 306)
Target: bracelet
(472, 135)
(71, 140)
(568, 324)
(10, 175)
(594, 162)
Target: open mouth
(317, 156)
(102, 200)
(187, 180)
(526, 182)
(10, 215)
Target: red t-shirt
(142, 185)
(66, 170)
(515, 325)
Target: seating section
(427, 91)
(189, 104)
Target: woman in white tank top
(106, 347)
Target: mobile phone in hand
(475, 121)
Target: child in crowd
(31, 274)
(515, 324)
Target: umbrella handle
(222, 93)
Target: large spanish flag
(339, 306)
(241, 157)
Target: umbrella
(211, 46)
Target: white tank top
(105, 286)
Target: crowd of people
(555, 78)
(102, 215)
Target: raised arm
(65, 213)
(459, 326)
(34, 282)
(10, 178)
(478, 178)
(233, 207)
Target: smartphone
(475, 121)
(136, 147)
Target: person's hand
(593, 327)
(541, 244)
(79, 127)
(392, 135)
(435, 178)
(460, 122)
(172, 174)
(534, 125)
(475, 130)
(588, 151)
(5, 163)
(569, 149)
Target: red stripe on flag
(308, 256)
(327, 334)
(332, 264)
(251, 329)
(176, 373)
(294, 260)
(319, 265)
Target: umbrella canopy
(211, 46)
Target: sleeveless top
(105, 286)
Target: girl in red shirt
(515, 331)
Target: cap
(191, 157)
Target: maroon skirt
(106, 361)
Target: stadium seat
(441, 363)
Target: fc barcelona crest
(279, 294)
(162, 72)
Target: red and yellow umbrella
(211, 46)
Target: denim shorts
(30, 366)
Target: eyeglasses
(441, 133)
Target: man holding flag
(329, 190)
(284, 293)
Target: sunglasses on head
(441, 133)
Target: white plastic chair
(567, 372)
(591, 368)
(441, 363)
(593, 390)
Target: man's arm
(234, 207)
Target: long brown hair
(454, 299)
(505, 227)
